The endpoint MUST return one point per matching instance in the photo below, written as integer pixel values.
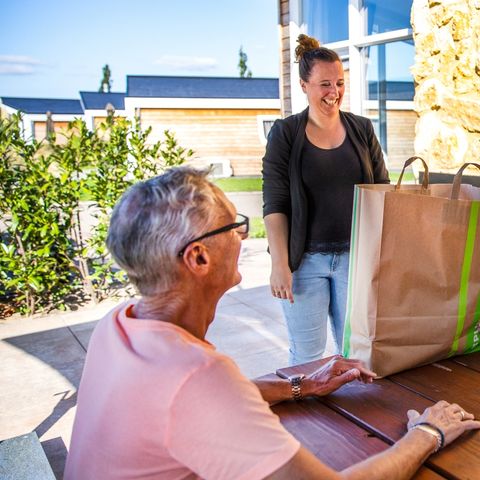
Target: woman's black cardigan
(283, 190)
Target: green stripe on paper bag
(466, 267)
(473, 336)
(347, 333)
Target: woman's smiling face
(325, 87)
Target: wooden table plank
(449, 380)
(444, 380)
(382, 406)
(382, 410)
(332, 438)
(471, 360)
(424, 473)
(336, 441)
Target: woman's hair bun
(305, 44)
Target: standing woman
(312, 162)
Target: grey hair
(154, 219)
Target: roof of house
(99, 100)
(44, 105)
(202, 87)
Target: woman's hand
(336, 372)
(281, 282)
(276, 225)
(450, 418)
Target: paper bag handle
(457, 180)
(407, 164)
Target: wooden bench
(23, 458)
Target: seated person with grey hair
(156, 401)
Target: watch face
(296, 378)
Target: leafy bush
(36, 250)
(257, 228)
(44, 255)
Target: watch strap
(296, 384)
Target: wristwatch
(296, 383)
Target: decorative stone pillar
(447, 76)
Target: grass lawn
(407, 177)
(245, 184)
(254, 184)
(239, 184)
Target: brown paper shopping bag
(414, 280)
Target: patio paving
(42, 357)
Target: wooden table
(358, 420)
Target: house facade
(40, 114)
(98, 105)
(224, 120)
(374, 40)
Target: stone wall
(447, 73)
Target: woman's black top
(329, 176)
(283, 188)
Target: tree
(106, 83)
(245, 72)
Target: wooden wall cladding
(214, 133)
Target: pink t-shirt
(155, 402)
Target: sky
(56, 48)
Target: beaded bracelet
(432, 430)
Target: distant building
(374, 40)
(96, 106)
(42, 113)
(223, 119)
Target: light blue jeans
(320, 293)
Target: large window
(389, 63)
(388, 77)
(387, 15)
(326, 20)
(376, 38)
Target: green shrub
(36, 252)
(44, 257)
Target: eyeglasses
(241, 226)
